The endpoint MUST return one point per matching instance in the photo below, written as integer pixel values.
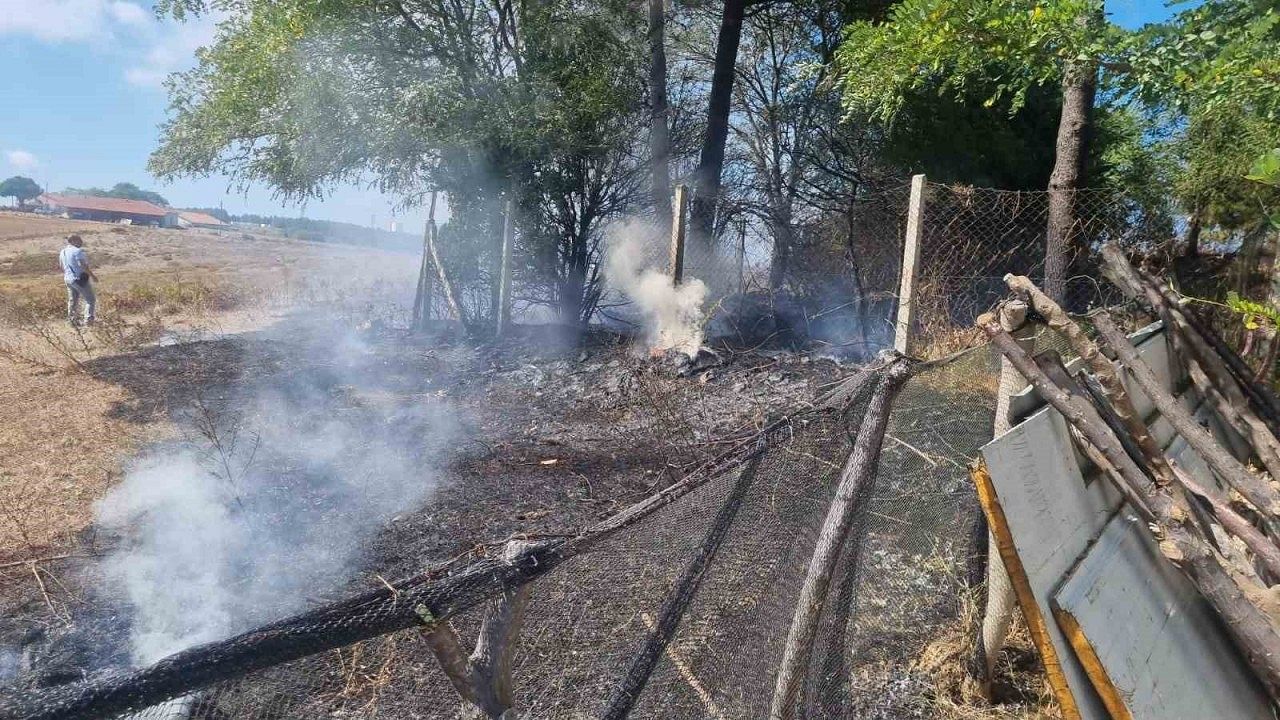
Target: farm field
(70, 423)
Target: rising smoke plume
(673, 315)
(317, 470)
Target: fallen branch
(1253, 630)
(1050, 363)
(446, 285)
(1232, 471)
(48, 558)
(1102, 368)
(859, 472)
(1211, 376)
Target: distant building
(106, 209)
(191, 218)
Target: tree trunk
(1079, 86)
(574, 284)
(1191, 248)
(659, 130)
(706, 194)
(783, 242)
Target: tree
(1004, 47)
(484, 101)
(21, 189)
(1213, 66)
(706, 193)
(659, 123)
(124, 191)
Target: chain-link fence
(827, 282)
(836, 281)
(678, 607)
(971, 237)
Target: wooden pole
(504, 287)
(678, 229)
(1254, 488)
(910, 265)
(422, 297)
(450, 295)
(859, 471)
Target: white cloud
(21, 159)
(148, 48)
(69, 20)
(128, 13)
(171, 50)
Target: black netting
(719, 559)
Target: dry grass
(20, 226)
(1021, 690)
(61, 451)
(68, 432)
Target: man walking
(76, 274)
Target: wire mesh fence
(972, 237)
(835, 282)
(714, 563)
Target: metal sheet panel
(1055, 505)
(1156, 640)
(1138, 632)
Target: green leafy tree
(484, 101)
(1219, 55)
(20, 189)
(124, 191)
(1000, 49)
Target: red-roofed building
(106, 209)
(191, 218)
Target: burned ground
(553, 438)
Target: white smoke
(203, 558)
(673, 314)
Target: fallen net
(678, 607)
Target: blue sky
(83, 101)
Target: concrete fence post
(504, 287)
(678, 214)
(910, 265)
(426, 274)
(1001, 602)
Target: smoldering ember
(612, 360)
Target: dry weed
(1022, 693)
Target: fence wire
(972, 237)
(592, 612)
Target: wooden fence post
(676, 262)
(504, 287)
(446, 286)
(910, 266)
(422, 297)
